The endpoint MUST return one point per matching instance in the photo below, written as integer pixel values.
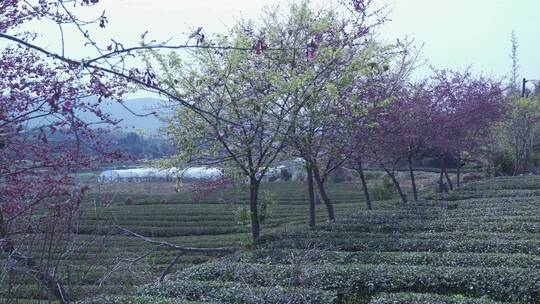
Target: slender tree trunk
(311, 191)
(396, 184)
(490, 167)
(3, 230)
(450, 185)
(442, 185)
(458, 169)
(413, 181)
(525, 164)
(446, 172)
(253, 196)
(324, 195)
(7, 246)
(360, 170)
(517, 156)
(441, 176)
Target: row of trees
(344, 101)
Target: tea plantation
(100, 259)
(479, 244)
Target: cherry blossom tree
(467, 107)
(404, 130)
(44, 143)
(389, 143)
(45, 139)
(373, 116)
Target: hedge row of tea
(479, 244)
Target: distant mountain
(135, 114)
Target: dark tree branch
(181, 249)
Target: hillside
(133, 114)
(479, 244)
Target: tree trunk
(446, 172)
(360, 170)
(396, 184)
(324, 195)
(7, 245)
(448, 180)
(517, 155)
(311, 191)
(441, 176)
(458, 169)
(442, 185)
(413, 181)
(253, 196)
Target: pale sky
(454, 33)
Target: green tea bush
(446, 259)
(135, 300)
(424, 298)
(235, 292)
(501, 283)
(383, 190)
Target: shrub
(232, 292)
(445, 259)
(504, 284)
(503, 164)
(383, 190)
(425, 298)
(134, 300)
(266, 202)
(242, 215)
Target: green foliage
(265, 203)
(426, 298)
(398, 258)
(243, 216)
(516, 137)
(383, 190)
(231, 292)
(353, 298)
(501, 283)
(503, 163)
(135, 300)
